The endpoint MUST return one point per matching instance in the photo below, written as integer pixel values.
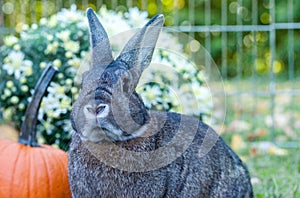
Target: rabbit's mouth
(118, 135)
(102, 134)
(94, 134)
(105, 132)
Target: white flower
(68, 54)
(7, 114)
(27, 70)
(23, 80)
(21, 106)
(64, 35)
(10, 40)
(16, 58)
(49, 37)
(114, 22)
(17, 64)
(25, 27)
(71, 15)
(43, 21)
(52, 48)
(136, 18)
(56, 88)
(24, 36)
(57, 63)
(9, 84)
(6, 60)
(14, 100)
(24, 88)
(43, 65)
(69, 81)
(151, 95)
(72, 46)
(17, 47)
(167, 41)
(174, 96)
(56, 103)
(75, 62)
(7, 92)
(34, 26)
(48, 126)
(74, 90)
(52, 21)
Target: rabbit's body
(120, 149)
(219, 173)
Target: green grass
(272, 175)
(278, 176)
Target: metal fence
(231, 31)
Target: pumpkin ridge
(17, 157)
(47, 174)
(28, 159)
(64, 178)
(33, 170)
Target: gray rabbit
(121, 149)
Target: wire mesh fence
(254, 43)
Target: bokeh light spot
(277, 67)
(152, 8)
(8, 8)
(194, 46)
(265, 18)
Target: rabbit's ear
(138, 51)
(101, 50)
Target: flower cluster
(62, 40)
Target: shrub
(62, 40)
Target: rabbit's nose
(90, 109)
(89, 112)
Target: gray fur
(115, 136)
(101, 50)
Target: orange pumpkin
(28, 169)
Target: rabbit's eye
(102, 110)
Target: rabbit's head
(108, 108)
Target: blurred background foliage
(195, 13)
